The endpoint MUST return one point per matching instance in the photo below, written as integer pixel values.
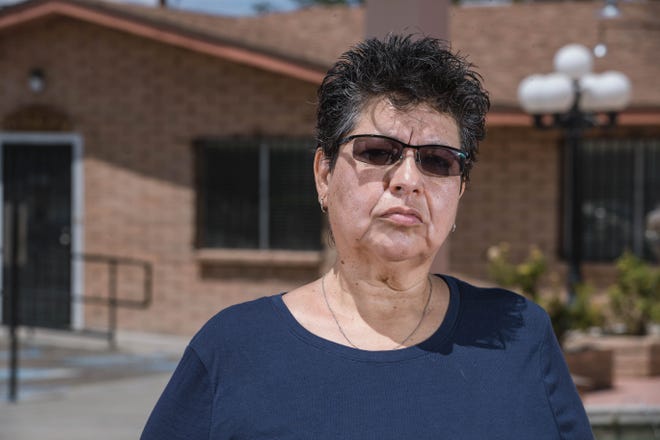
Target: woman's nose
(405, 176)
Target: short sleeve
(184, 409)
(568, 410)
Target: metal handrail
(113, 263)
(111, 300)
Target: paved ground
(75, 388)
(627, 391)
(111, 410)
(633, 404)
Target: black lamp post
(573, 99)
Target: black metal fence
(621, 185)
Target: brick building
(184, 140)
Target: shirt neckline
(432, 344)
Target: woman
(377, 348)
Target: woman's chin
(401, 250)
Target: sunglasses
(434, 160)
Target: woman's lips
(403, 216)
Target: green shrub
(635, 296)
(525, 278)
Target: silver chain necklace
(341, 330)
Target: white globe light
(551, 93)
(600, 50)
(619, 90)
(528, 91)
(574, 60)
(609, 91)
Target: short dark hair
(407, 71)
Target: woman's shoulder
(239, 322)
(247, 309)
(495, 305)
(492, 295)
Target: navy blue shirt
(492, 370)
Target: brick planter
(634, 356)
(591, 367)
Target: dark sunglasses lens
(376, 151)
(440, 161)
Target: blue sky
(228, 7)
(224, 7)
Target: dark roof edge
(168, 33)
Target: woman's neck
(366, 276)
(385, 309)
(378, 293)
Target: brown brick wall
(138, 105)
(512, 197)
(515, 196)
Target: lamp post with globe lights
(574, 99)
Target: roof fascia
(220, 50)
(518, 119)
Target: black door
(37, 213)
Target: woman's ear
(321, 173)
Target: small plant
(525, 277)
(584, 312)
(635, 296)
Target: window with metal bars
(257, 194)
(621, 192)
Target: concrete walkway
(89, 392)
(115, 410)
(74, 387)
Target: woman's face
(392, 212)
